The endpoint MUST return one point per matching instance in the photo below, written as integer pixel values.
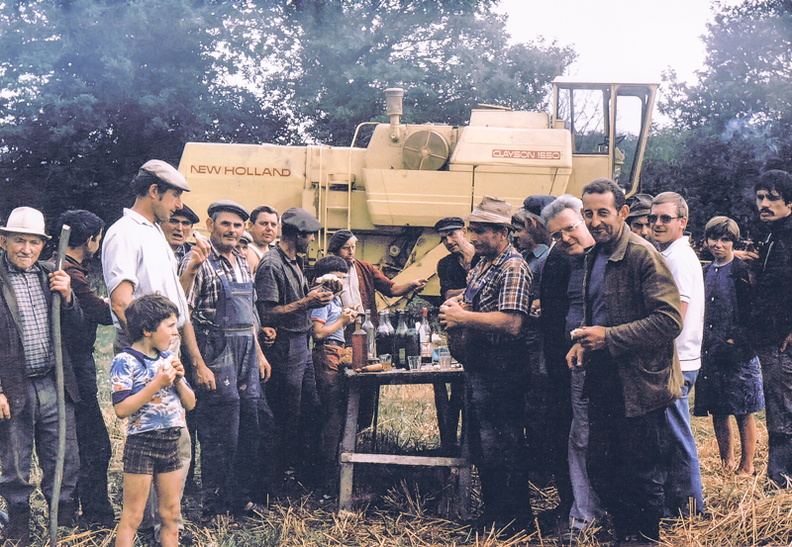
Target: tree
(449, 56)
(93, 88)
(736, 121)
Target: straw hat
(25, 220)
(492, 210)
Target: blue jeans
(683, 482)
(586, 507)
(37, 422)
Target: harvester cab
(392, 192)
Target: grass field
(401, 508)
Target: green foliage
(735, 122)
(93, 88)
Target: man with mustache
(631, 318)
(229, 393)
(771, 319)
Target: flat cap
(640, 205)
(166, 173)
(246, 237)
(534, 204)
(187, 213)
(449, 224)
(300, 220)
(338, 240)
(228, 206)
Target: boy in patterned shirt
(149, 388)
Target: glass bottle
(425, 335)
(400, 342)
(385, 332)
(413, 343)
(359, 353)
(371, 339)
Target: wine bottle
(425, 335)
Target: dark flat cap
(338, 240)
(187, 213)
(166, 173)
(640, 205)
(300, 220)
(449, 224)
(534, 204)
(228, 206)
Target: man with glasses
(561, 292)
(178, 229)
(669, 219)
(771, 318)
(631, 318)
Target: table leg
(348, 442)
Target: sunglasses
(558, 235)
(664, 219)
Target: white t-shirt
(686, 269)
(136, 250)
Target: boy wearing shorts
(149, 388)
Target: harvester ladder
(334, 182)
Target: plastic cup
(414, 362)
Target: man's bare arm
(120, 299)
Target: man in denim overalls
(231, 409)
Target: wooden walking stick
(59, 382)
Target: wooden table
(455, 454)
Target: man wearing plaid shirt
(230, 401)
(28, 396)
(493, 309)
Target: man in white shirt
(137, 260)
(668, 219)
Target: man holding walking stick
(28, 395)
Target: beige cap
(26, 220)
(492, 210)
(166, 173)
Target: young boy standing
(149, 388)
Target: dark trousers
(496, 389)
(93, 442)
(293, 398)
(332, 397)
(777, 382)
(625, 463)
(37, 422)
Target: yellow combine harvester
(393, 191)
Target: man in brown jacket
(626, 343)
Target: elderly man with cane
(28, 393)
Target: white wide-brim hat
(25, 220)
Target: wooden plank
(347, 472)
(391, 459)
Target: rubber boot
(18, 529)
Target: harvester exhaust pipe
(393, 105)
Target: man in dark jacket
(28, 396)
(631, 313)
(92, 437)
(772, 318)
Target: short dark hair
(330, 263)
(143, 181)
(145, 314)
(263, 209)
(604, 185)
(778, 180)
(722, 228)
(84, 225)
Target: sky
(629, 40)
